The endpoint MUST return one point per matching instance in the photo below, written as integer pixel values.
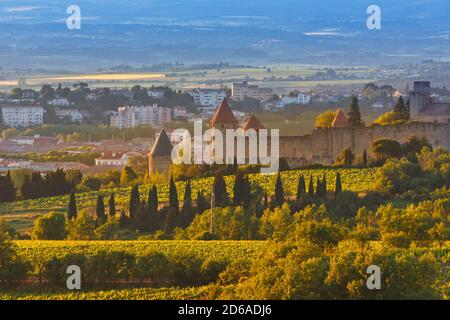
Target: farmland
(22, 213)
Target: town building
(133, 116)
(22, 116)
(115, 158)
(207, 97)
(242, 90)
(423, 106)
(59, 102)
(73, 115)
(157, 94)
(301, 98)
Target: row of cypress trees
(146, 216)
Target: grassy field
(21, 214)
(193, 78)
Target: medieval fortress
(427, 119)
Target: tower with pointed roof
(253, 122)
(223, 120)
(160, 155)
(340, 121)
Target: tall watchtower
(419, 98)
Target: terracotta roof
(253, 123)
(339, 120)
(162, 146)
(224, 114)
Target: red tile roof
(253, 123)
(224, 114)
(339, 120)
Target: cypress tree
(202, 203)
(350, 157)
(112, 205)
(173, 196)
(171, 220)
(311, 186)
(153, 199)
(187, 201)
(354, 115)
(246, 193)
(238, 189)
(318, 188)
(9, 191)
(265, 201)
(72, 208)
(220, 191)
(364, 158)
(37, 185)
(338, 188)
(26, 190)
(134, 201)
(279, 193)
(401, 108)
(301, 188)
(100, 209)
(324, 185)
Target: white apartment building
(242, 90)
(301, 98)
(59, 102)
(73, 114)
(157, 94)
(133, 116)
(207, 97)
(22, 116)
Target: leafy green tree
(354, 115)
(51, 226)
(384, 149)
(112, 205)
(173, 196)
(72, 208)
(279, 193)
(81, 228)
(127, 176)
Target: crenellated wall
(324, 145)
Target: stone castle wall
(324, 145)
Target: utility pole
(211, 228)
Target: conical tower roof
(162, 146)
(340, 121)
(253, 123)
(224, 114)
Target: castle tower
(253, 123)
(160, 155)
(419, 98)
(340, 121)
(222, 120)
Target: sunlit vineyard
(123, 294)
(357, 180)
